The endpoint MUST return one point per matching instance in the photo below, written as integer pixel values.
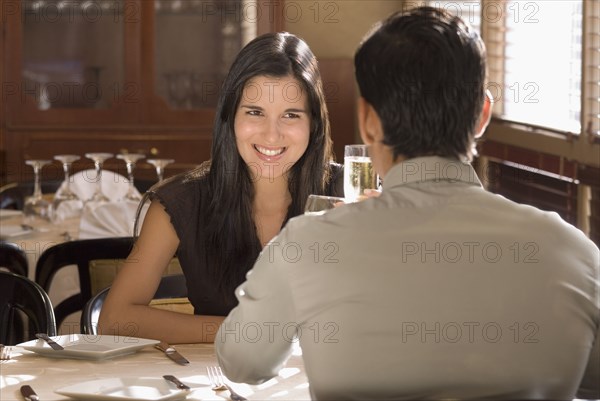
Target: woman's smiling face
(272, 125)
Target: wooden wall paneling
(188, 148)
(594, 219)
(532, 188)
(270, 16)
(156, 110)
(269, 19)
(340, 91)
(4, 8)
(590, 176)
(22, 108)
(536, 160)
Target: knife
(55, 346)
(176, 381)
(172, 353)
(29, 394)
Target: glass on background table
(160, 165)
(36, 209)
(66, 205)
(99, 159)
(130, 160)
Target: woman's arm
(126, 311)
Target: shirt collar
(430, 169)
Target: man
(436, 288)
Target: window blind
(591, 72)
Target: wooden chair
(25, 309)
(172, 287)
(79, 253)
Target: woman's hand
(371, 193)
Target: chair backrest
(13, 258)
(143, 185)
(12, 196)
(25, 309)
(173, 286)
(80, 253)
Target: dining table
(45, 374)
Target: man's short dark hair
(424, 73)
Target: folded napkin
(66, 209)
(108, 219)
(83, 184)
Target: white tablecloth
(46, 374)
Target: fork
(217, 381)
(4, 352)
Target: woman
(271, 149)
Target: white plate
(8, 213)
(125, 388)
(12, 230)
(81, 346)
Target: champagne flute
(67, 206)
(98, 159)
(359, 173)
(130, 160)
(160, 165)
(66, 203)
(318, 204)
(36, 210)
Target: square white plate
(8, 213)
(12, 230)
(125, 388)
(82, 346)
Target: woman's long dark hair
(232, 243)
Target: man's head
(422, 76)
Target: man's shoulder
(537, 223)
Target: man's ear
(486, 114)
(369, 123)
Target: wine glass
(130, 160)
(359, 173)
(319, 204)
(160, 165)
(98, 159)
(66, 206)
(36, 210)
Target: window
(543, 60)
(538, 80)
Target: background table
(46, 374)
(66, 281)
